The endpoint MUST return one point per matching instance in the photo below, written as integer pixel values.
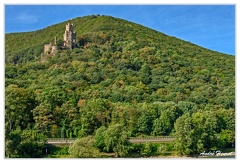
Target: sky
(209, 26)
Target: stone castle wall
(69, 38)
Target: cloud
(26, 18)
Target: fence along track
(60, 140)
(151, 139)
(131, 139)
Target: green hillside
(122, 78)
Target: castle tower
(69, 36)
(49, 48)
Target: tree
(53, 95)
(67, 116)
(227, 138)
(43, 117)
(230, 119)
(32, 144)
(115, 140)
(11, 72)
(12, 140)
(204, 124)
(198, 98)
(162, 125)
(183, 135)
(99, 137)
(18, 105)
(147, 149)
(145, 74)
(145, 121)
(194, 133)
(127, 115)
(24, 144)
(169, 112)
(84, 148)
(94, 114)
(187, 106)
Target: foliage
(196, 132)
(24, 144)
(227, 138)
(113, 139)
(147, 149)
(183, 134)
(84, 148)
(123, 79)
(18, 105)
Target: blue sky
(210, 26)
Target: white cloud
(26, 18)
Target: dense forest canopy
(121, 77)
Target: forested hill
(22, 47)
(121, 75)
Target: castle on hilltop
(49, 48)
(69, 38)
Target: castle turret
(49, 48)
(69, 41)
(69, 36)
